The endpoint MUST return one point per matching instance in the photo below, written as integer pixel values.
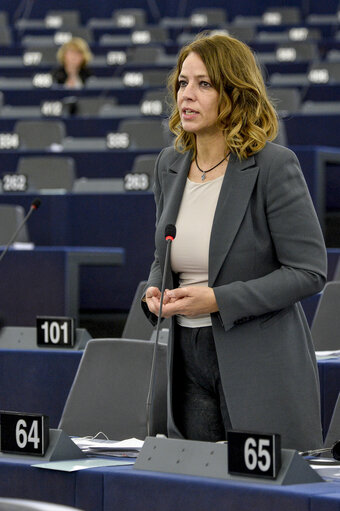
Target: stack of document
(129, 448)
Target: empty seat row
(70, 21)
(59, 173)
(131, 134)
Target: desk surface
(125, 489)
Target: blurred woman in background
(74, 58)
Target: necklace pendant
(203, 176)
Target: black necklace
(212, 168)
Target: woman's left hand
(190, 301)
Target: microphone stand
(151, 390)
(32, 208)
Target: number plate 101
(55, 331)
(24, 433)
(254, 454)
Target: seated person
(74, 57)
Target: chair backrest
(281, 15)
(93, 106)
(48, 54)
(5, 36)
(129, 17)
(143, 54)
(155, 77)
(39, 134)
(144, 133)
(245, 34)
(324, 72)
(110, 389)
(145, 163)
(137, 326)
(48, 172)
(326, 323)
(11, 216)
(297, 51)
(208, 16)
(154, 103)
(68, 18)
(286, 99)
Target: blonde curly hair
(246, 115)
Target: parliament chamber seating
(77, 146)
(119, 117)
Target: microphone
(334, 450)
(34, 206)
(169, 234)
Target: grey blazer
(266, 253)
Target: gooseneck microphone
(334, 450)
(169, 234)
(34, 206)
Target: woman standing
(248, 248)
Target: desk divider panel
(208, 459)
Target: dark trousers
(199, 406)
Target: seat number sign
(24, 433)
(55, 331)
(254, 454)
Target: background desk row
(49, 281)
(60, 281)
(114, 220)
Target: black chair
(110, 389)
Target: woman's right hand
(153, 299)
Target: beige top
(190, 248)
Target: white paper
(21, 245)
(324, 355)
(82, 464)
(99, 443)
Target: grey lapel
(173, 187)
(236, 190)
